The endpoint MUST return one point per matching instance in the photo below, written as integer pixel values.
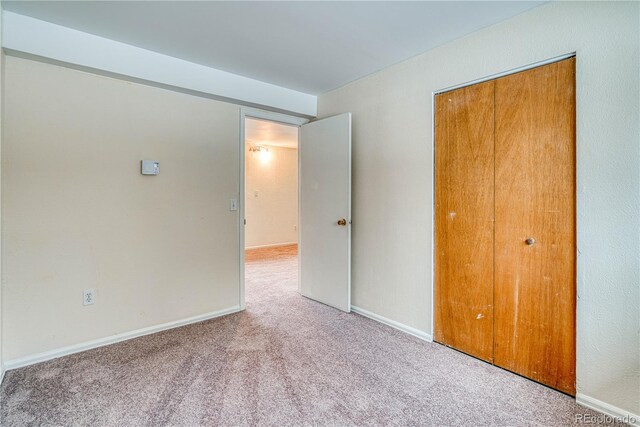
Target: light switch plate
(233, 204)
(150, 167)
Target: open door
(325, 211)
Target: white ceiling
(262, 132)
(311, 47)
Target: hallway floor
(284, 361)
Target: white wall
(1, 131)
(78, 214)
(393, 177)
(271, 193)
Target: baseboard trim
(396, 325)
(608, 409)
(101, 342)
(275, 245)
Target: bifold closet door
(464, 213)
(535, 248)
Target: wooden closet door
(464, 211)
(534, 285)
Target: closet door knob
(530, 241)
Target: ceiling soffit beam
(35, 38)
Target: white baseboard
(274, 245)
(608, 409)
(397, 325)
(76, 348)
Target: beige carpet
(285, 361)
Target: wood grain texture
(464, 181)
(535, 297)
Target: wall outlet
(88, 296)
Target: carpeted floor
(285, 361)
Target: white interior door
(325, 211)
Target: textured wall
(393, 176)
(271, 197)
(78, 214)
(1, 124)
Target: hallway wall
(271, 197)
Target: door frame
(433, 176)
(255, 113)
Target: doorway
(270, 207)
(323, 220)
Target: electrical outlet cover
(88, 296)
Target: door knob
(342, 222)
(530, 241)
